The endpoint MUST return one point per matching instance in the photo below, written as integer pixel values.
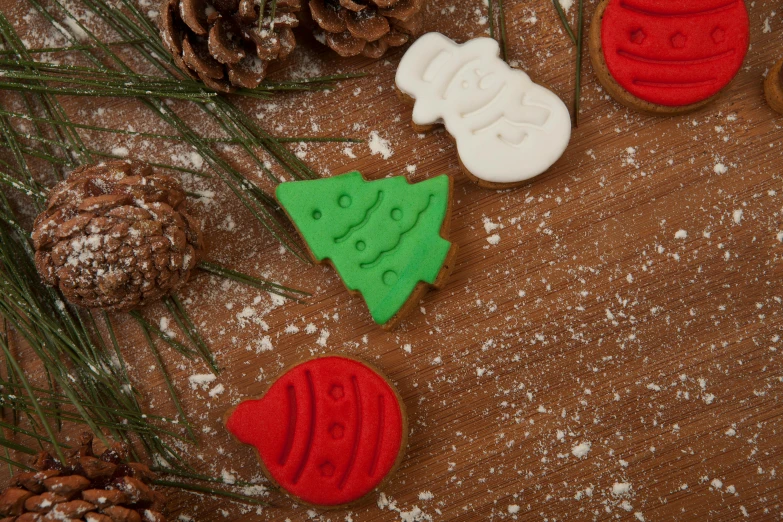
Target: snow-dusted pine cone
(222, 43)
(87, 487)
(367, 27)
(116, 236)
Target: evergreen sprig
(84, 377)
(497, 29)
(577, 39)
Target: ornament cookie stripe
(329, 431)
(507, 128)
(383, 237)
(673, 54)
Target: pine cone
(367, 27)
(222, 43)
(86, 487)
(116, 236)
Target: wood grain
(592, 321)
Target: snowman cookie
(329, 431)
(668, 57)
(773, 87)
(507, 128)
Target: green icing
(383, 237)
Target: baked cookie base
(616, 90)
(408, 100)
(421, 287)
(773, 88)
(389, 475)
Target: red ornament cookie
(329, 431)
(668, 56)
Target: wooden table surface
(595, 363)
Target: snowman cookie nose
(507, 128)
(329, 431)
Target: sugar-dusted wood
(614, 352)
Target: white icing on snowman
(507, 128)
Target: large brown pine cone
(222, 43)
(367, 27)
(116, 236)
(101, 488)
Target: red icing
(674, 52)
(328, 431)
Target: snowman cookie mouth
(647, 11)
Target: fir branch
(564, 20)
(16, 464)
(205, 478)
(231, 120)
(16, 446)
(71, 48)
(36, 406)
(81, 373)
(578, 40)
(56, 337)
(247, 499)
(501, 22)
(262, 284)
(185, 324)
(181, 348)
(167, 379)
(170, 137)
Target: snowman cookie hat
(507, 128)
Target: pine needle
(85, 375)
(245, 499)
(185, 324)
(273, 288)
(498, 32)
(167, 379)
(578, 40)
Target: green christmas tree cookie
(383, 237)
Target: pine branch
(268, 286)
(246, 499)
(578, 40)
(501, 22)
(87, 381)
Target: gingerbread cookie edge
(422, 287)
(410, 100)
(400, 453)
(615, 90)
(773, 87)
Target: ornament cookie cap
(329, 431)
(383, 237)
(507, 128)
(668, 57)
